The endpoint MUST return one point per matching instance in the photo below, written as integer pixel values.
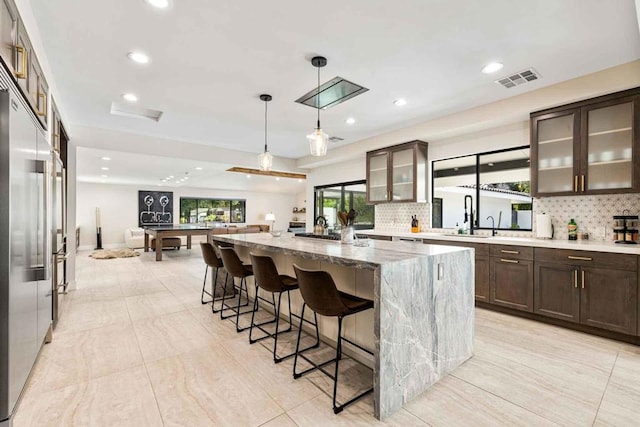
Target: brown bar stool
(237, 269)
(319, 292)
(268, 279)
(211, 260)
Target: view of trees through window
(330, 199)
(194, 210)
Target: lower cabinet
(555, 291)
(609, 299)
(482, 278)
(511, 283)
(591, 288)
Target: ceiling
(143, 169)
(212, 59)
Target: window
(194, 210)
(329, 199)
(498, 183)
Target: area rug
(114, 253)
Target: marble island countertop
(376, 253)
(579, 245)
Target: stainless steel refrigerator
(25, 244)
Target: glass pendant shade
(265, 160)
(318, 142)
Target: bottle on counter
(572, 230)
(459, 229)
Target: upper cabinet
(398, 173)
(19, 58)
(589, 147)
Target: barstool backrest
(231, 262)
(319, 292)
(209, 255)
(266, 273)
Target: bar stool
(319, 292)
(268, 279)
(237, 269)
(210, 260)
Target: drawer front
(512, 252)
(587, 258)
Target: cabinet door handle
(580, 258)
(509, 252)
(22, 73)
(510, 261)
(582, 278)
(575, 184)
(582, 181)
(575, 278)
(43, 97)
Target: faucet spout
(493, 225)
(469, 216)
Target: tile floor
(135, 347)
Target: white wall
(119, 208)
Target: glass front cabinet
(590, 147)
(398, 173)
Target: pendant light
(318, 139)
(265, 159)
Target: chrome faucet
(469, 216)
(493, 225)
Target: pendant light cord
(265, 126)
(318, 97)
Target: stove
(319, 236)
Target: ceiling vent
(331, 93)
(118, 109)
(335, 139)
(519, 78)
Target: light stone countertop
(376, 253)
(580, 245)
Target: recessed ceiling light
(400, 102)
(170, 176)
(350, 121)
(105, 176)
(300, 180)
(106, 158)
(277, 178)
(160, 4)
(131, 97)
(198, 168)
(104, 168)
(139, 57)
(248, 176)
(492, 67)
(185, 178)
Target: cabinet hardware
(582, 180)
(575, 184)
(43, 97)
(580, 258)
(22, 74)
(582, 278)
(511, 261)
(509, 252)
(575, 278)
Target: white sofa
(134, 238)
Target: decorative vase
(346, 235)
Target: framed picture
(155, 207)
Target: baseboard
(107, 246)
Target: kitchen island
(422, 325)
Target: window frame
(477, 183)
(342, 198)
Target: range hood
(331, 93)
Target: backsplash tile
(397, 216)
(593, 214)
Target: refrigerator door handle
(41, 270)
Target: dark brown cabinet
(591, 288)
(511, 276)
(8, 24)
(588, 147)
(398, 173)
